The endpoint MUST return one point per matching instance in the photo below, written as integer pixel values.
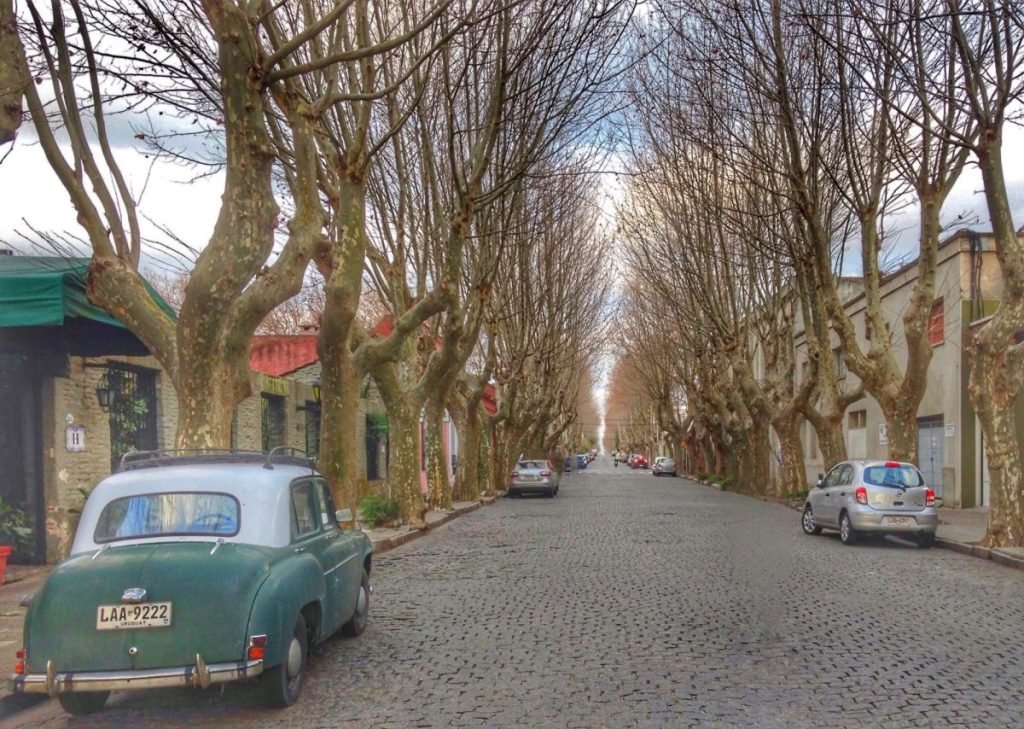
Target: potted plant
(15, 533)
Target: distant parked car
(567, 467)
(664, 465)
(193, 570)
(533, 476)
(872, 497)
(581, 461)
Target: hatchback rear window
(168, 514)
(895, 476)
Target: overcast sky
(189, 206)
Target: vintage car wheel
(807, 522)
(283, 682)
(88, 702)
(357, 624)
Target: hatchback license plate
(898, 521)
(126, 617)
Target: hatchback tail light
(862, 495)
(892, 464)
(929, 498)
(514, 474)
(19, 664)
(545, 473)
(257, 647)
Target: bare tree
(246, 71)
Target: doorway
(22, 484)
(931, 450)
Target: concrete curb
(386, 544)
(971, 550)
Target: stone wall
(71, 402)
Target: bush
(376, 510)
(702, 476)
(15, 529)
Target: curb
(974, 550)
(971, 550)
(386, 544)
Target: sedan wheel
(83, 703)
(847, 534)
(807, 522)
(357, 624)
(283, 682)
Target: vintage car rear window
(896, 476)
(168, 514)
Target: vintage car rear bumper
(199, 675)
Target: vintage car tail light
(19, 664)
(862, 495)
(929, 498)
(545, 473)
(257, 647)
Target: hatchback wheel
(925, 540)
(807, 522)
(88, 702)
(847, 534)
(283, 682)
(357, 624)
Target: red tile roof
(279, 355)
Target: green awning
(43, 291)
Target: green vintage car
(191, 570)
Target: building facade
(968, 288)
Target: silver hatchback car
(664, 464)
(872, 497)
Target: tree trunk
(439, 491)
(340, 376)
(206, 407)
(792, 476)
(484, 462)
(339, 447)
(901, 427)
(404, 469)
(467, 483)
(13, 73)
(499, 461)
(997, 367)
(994, 397)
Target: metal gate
(930, 451)
(132, 411)
(272, 416)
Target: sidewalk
(22, 581)
(961, 530)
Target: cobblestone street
(630, 600)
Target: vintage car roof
(262, 494)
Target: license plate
(898, 521)
(126, 617)
(527, 478)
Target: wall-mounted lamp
(104, 393)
